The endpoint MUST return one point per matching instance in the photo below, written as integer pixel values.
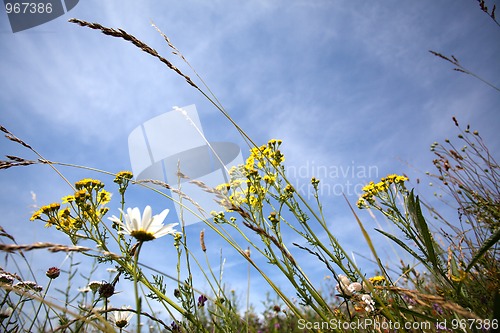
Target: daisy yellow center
(142, 235)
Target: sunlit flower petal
(146, 227)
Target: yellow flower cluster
(120, 176)
(376, 279)
(250, 182)
(88, 203)
(373, 190)
(261, 157)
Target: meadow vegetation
(451, 283)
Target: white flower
(355, 286)
(369, 303)
(122, 318)
(6, 313)
(84, 290)
(94, 285)
(146, 228)
(343, 286)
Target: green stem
(40, 306)
(136, 290)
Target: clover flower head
(146, 227)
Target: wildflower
(6, 278)
(68, 199)
(123, 176)
(367, 299)
(53, 272)
(437, 308)
(95, 285)
(201, 300)
(269, 179)
(315, 182)
(106, 290)
(223, 188)
(177, 239)
(353, 287)
(343, 285)
(6, 313)
(376, 279)
(104, 197)
(174, 327)
(147, 227)
(36, 215)
(89, 184)
(272, 218)
(122, 318)
(28, 286)
(65, 221)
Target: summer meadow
(442, 276)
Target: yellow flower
(104, 197)
(68, 199)
(36, 215)
(289, 188)
(89, 184)
(368, 188)
(65, 221)
(377, 278)
(269, 179)
(400, 179)
(254, 201)
(123, 175)
(223, 188)
(53, 207)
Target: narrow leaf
(423, 229)
(486, 246)
(403, 245)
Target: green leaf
(419, 221)
(486, 246)
(403, 245)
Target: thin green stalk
(40, 307)
(137, 273)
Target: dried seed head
(202, 241)
(106, 290)
(53, 272)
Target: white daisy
(122, 318)
(147, 227)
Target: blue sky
(344, 84)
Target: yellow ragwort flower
(123, 175)
(68, 199)
(104, 197)
(377, 278)
(36, 215)
(89, 184)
